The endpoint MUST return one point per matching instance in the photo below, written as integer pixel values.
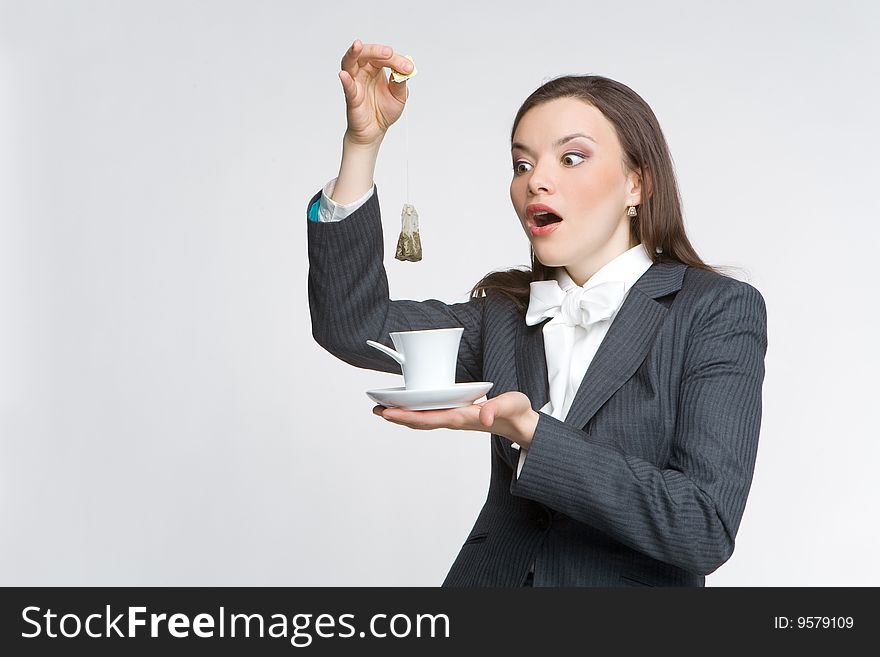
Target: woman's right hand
(373, 102)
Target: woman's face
(583, 180)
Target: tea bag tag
(397, 76)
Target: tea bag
(409, 244)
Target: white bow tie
(567, 349)
(575, 306)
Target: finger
(397, 416)
(351, 59)
(351, 55)
(377, 54)
(349, 86)
(374, 51)
(400, 64)
(422, 420)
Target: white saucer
(460, 394)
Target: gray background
(166, 417)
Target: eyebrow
(559, 142)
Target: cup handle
(389, 351)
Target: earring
(631, 211)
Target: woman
(626, 408)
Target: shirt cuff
(522, 459)
(329, 210)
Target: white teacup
(428, 358)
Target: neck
(584, 271)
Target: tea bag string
(406, 142)
(409, 244)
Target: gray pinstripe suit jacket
(646, 480)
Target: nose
(540, 180)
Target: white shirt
(628, 267)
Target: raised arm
(348, 287)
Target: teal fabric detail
(313, 211)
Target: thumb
(398, 89)
(487, 414)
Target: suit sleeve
(349, 298)
(688, 513)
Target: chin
(550, 259)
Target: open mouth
(546, 219)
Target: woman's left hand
(509, 414)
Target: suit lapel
(531, 363)
(623, 349)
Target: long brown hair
(659, 225)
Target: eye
(567, 156)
